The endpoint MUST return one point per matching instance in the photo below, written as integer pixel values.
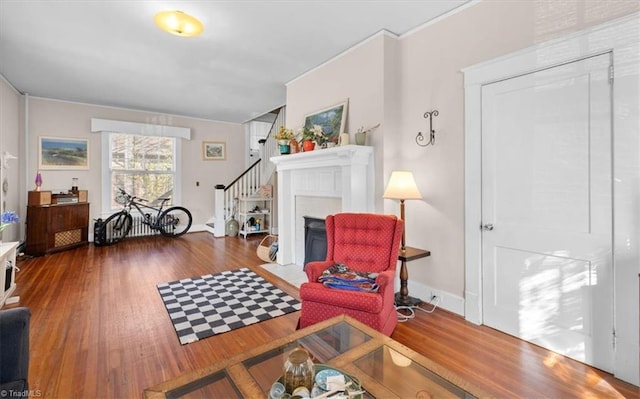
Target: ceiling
(109, 52)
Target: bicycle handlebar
(131, 197)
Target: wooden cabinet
(56, 227)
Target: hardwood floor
(100, 330)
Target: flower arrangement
(7, 219)
(314, 133)
(361, 130)
(284, 134)
(361, 134)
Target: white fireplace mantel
(345, 172)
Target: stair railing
(270, 146)
(249, 181)
(246, 184)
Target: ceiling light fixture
(178, 23)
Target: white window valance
(143, 129)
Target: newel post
(219, 221)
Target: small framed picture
(214, 151)
(63, 153)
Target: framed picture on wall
(63, 153)
(332, 119)
(214, 150)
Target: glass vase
(38, 181)
(298, 371)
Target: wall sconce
(6, 157)
(432, 133)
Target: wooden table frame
(247, 386)
(402, 297)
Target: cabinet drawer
(68, 217)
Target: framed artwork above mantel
(333, 120)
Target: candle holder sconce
(432, 133)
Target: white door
(547, 209)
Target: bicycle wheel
(115, 228)
(174, 221)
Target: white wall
(358, 75)
(48, 117)
(9, 136)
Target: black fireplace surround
(315, 239)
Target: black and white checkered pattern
(215, 303)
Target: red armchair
(364, 242)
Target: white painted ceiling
(109, 52)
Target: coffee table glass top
(383, 367)
(392, 369)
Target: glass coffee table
(385, 368)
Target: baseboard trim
(448, 301)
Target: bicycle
(171, 222)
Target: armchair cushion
(363, 241)
(365, 301)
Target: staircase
(249, 181)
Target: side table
(407, 255)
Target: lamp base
(406, 300)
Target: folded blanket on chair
(341, 277)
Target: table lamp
(402, 186)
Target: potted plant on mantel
(361, 134)
(284, 136)
(312, 136)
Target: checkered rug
(204, 306)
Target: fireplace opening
(315, 240)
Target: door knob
(487, 227)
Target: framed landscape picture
(63, 153)
(332, 119)
(214, 151)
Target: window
(144, 166)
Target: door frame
(620, 36)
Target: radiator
(139, 229)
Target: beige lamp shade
(402, 186)
(178, 23)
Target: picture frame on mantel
(214, 151)
(61, 153)
(333, 120)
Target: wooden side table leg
(402, 298)
(408, 254)
(404, 276)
